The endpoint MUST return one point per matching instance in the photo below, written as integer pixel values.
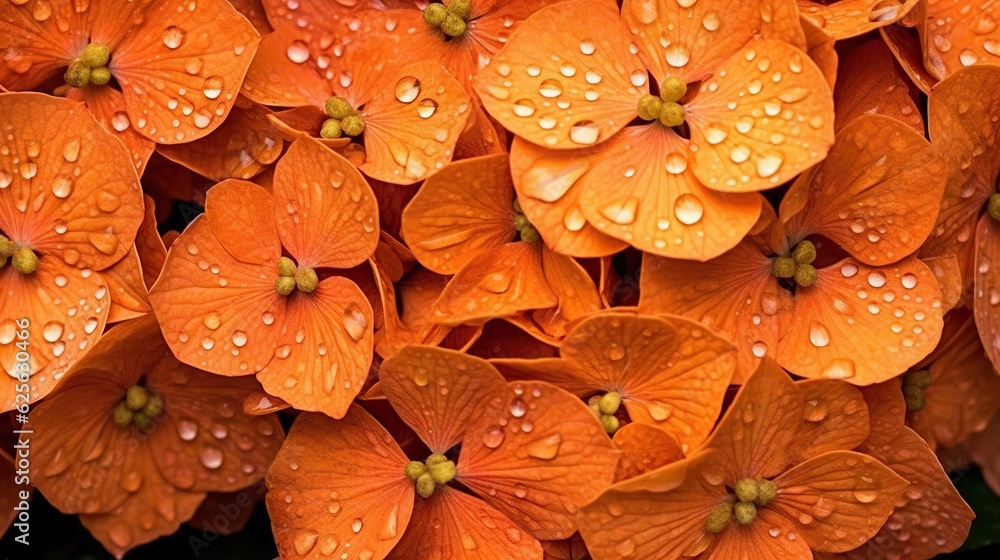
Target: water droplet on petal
(688, 209)
(173, 37)
(818, 335)
(407, 89)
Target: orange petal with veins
(837, 500)
(497, 284)
(642, 189)
(644, 448)
(875, 195)
(439, 392)
(129, 295)
(346, 480)
(452, 525)
(326, 212)
(778, 131)
(836, 417)
(868, 83)
(848, 18)
(548, 188)
(896, 307)
(596, 73)
(462, 212)
(537, 453)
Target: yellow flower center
(524, 228)
(23, 259)
(748, 494)
(344, 119)
(452, 19)
(798, 265)
(993, 206)
(91, 67)
(291, 276)
(605, 407)
(665, 108)
(139, 408)
(436, 471)
(914, 384)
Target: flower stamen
(452, 19)
(436, 471)
(523, 226)
(605, 407)
(139, 408)
(798, 265)
(914, 384)
(91, 67)
(344, 119)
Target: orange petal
(780, 20)
(254, 11)
(981, 448)
(837, 500)
(207, 316)
(240, 148)
(57, 334)
(325, 348)
(957, 37)
(452, 525)
(821, 49)
(537, 454)
(413, 123)
(769, 537)
(572, 548)
(671, 372)
(338, 483)
(876, 193)
(644, 448)
(987, 292)
(594, 77)
(931, 500)
(897, 308)
(547, 189)
(836, 417)
(482, 135)
(89, 466)
(849, 18)
(572, 285)
(707, 292)
(502, 338)
(758, 429)
(961, 110)
(641, 519)
(887, 412)
(906, 47)
(129, 295)
(153, 65)
(68, 171)
(961, 373)
(949, 277)
(259, 402)
(658, 205)
(497, 284)
(157, 509)
(108, 107)
(460, 213)
(228, 513)
(869, 83)
(275, 79)
(439, 392)
(327, 214)
(39, 52)
(689, 40)
(788, 122)
(415, 324)
(149, 244)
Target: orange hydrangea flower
(154, 437)
(466, 222)
(931, 517)
(757, 111)
(151, 71)
(776, 479)
(462, 34)
(668, 372)
(531, 454)
(70, 206)
(830, 289)
(849, 18)
(398, 123)
(254, 285)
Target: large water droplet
(688, 209)
(546, 448)
(407, 89)
(584, 132)
(173, 37)
(818, 335)
(298, 52)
